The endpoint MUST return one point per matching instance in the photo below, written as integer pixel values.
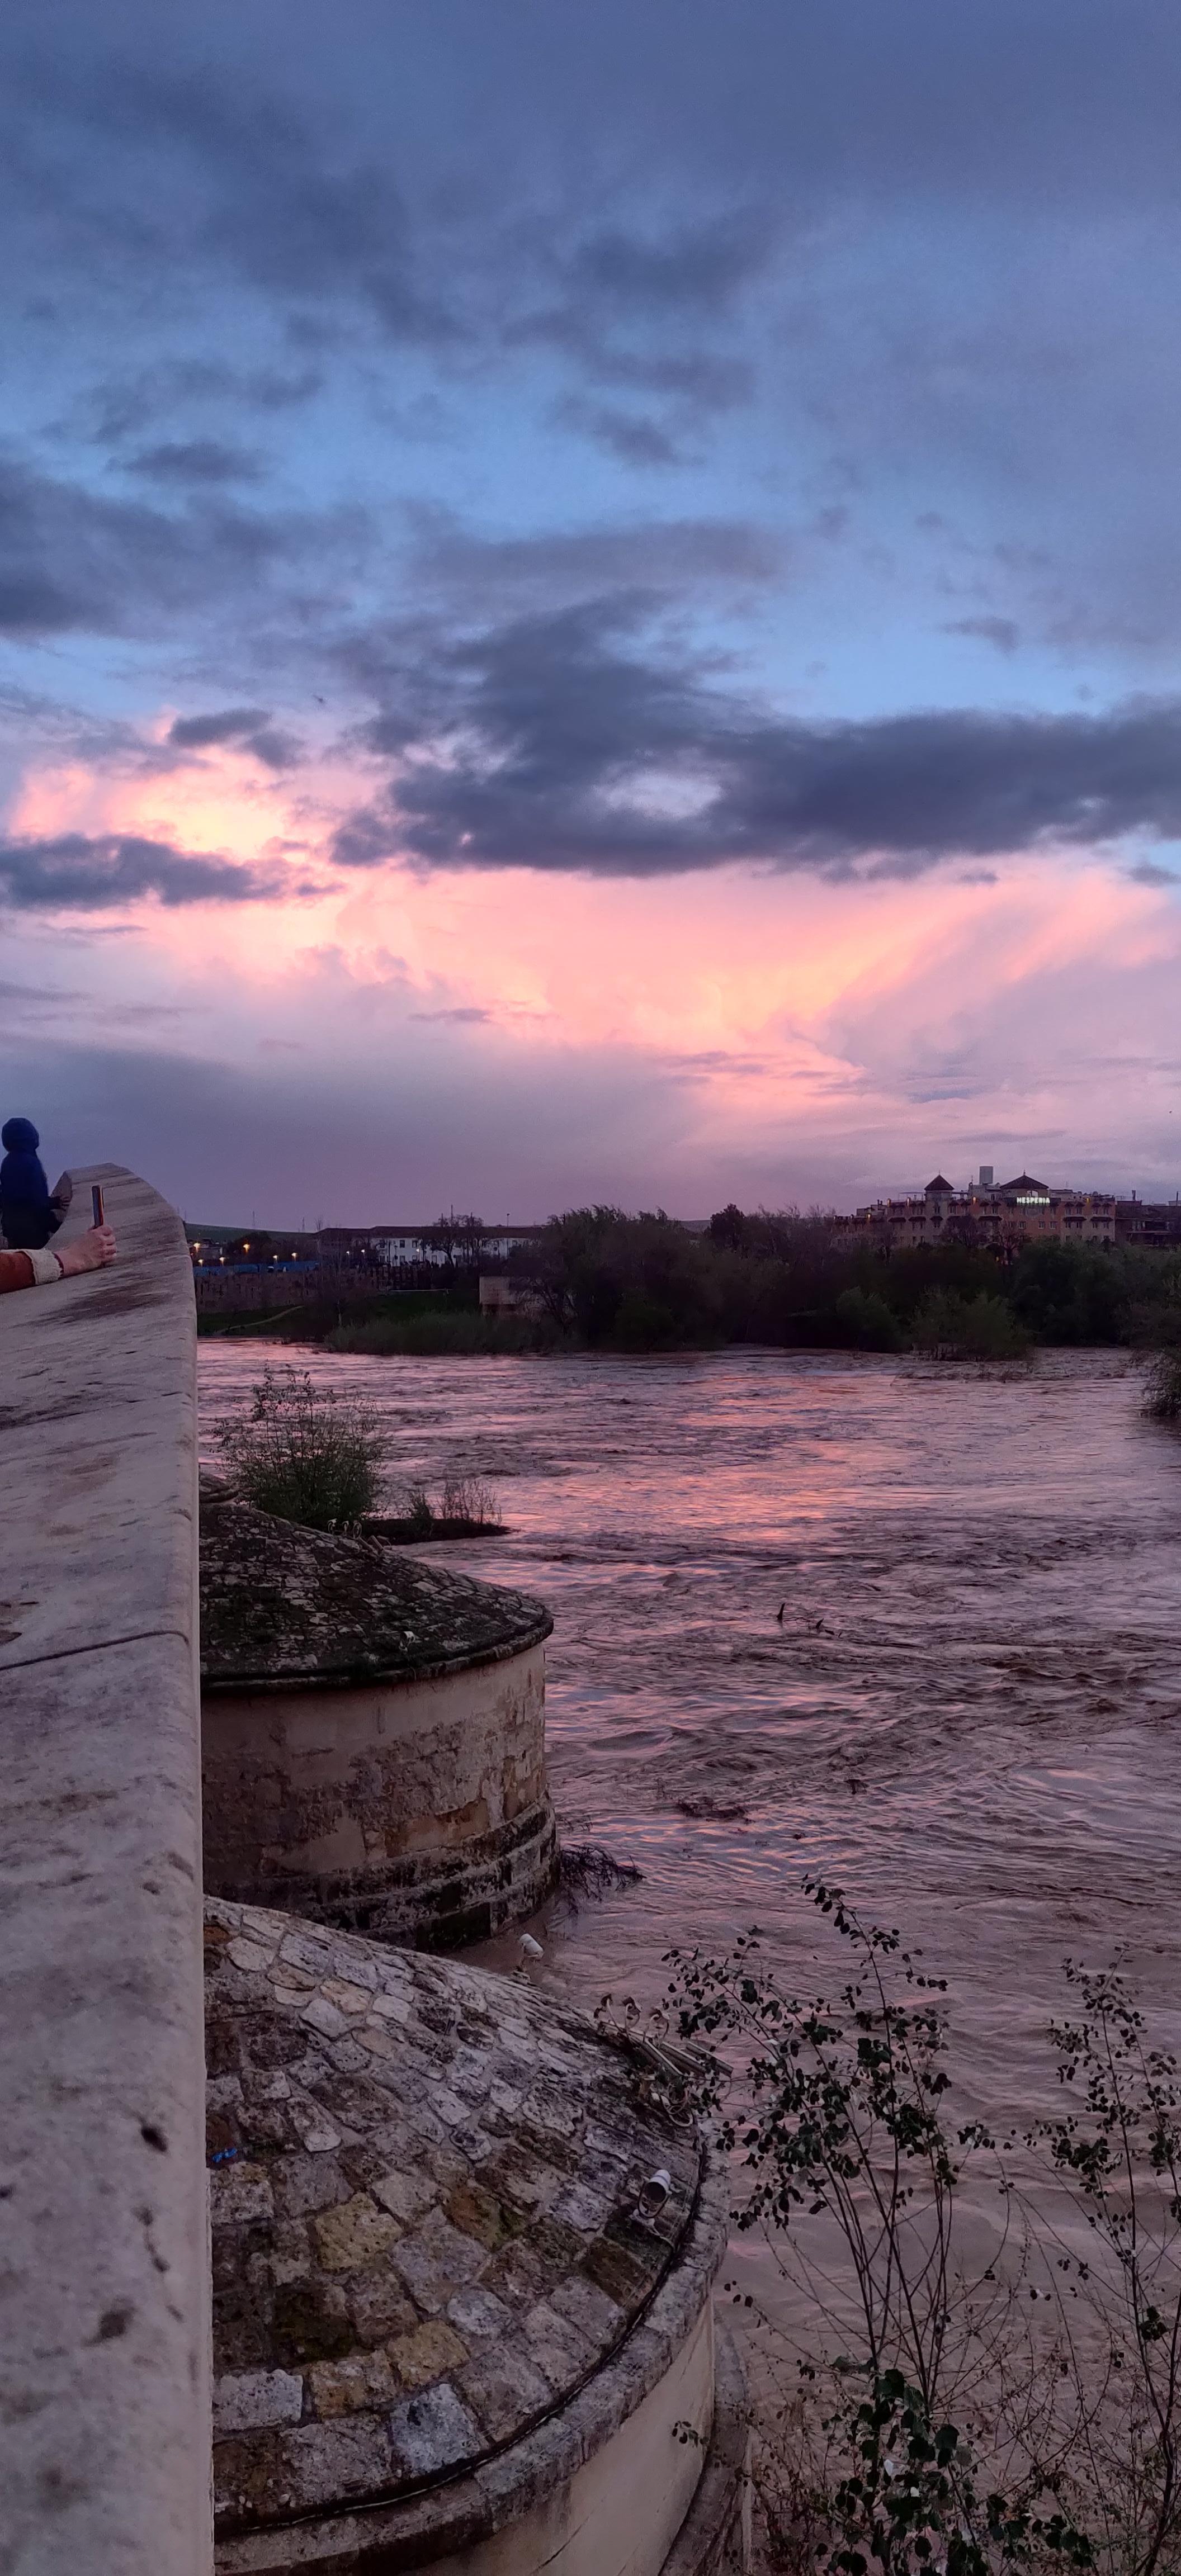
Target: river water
(969, 1713)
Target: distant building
(988, 1214)
(220, 1247)
(438, 1246)
(1153, 1224)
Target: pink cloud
(803, 1036)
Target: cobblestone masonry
(282, 1605)
(423, 2183)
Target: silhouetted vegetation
(1162, 1392)
(955, 2405)
(442, 1334)
(466, 1508)
(950, 1327)
(346, 1300)
(602, 1280)
(608, 1281)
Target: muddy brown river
(969, 1713)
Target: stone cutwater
(373, 1733)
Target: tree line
(611, 1281)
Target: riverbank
(597, 1280)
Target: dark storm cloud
(249, 726)
(1002, 632)
(609, 281)
(123, 405)
(691, 268)
(624, 308)
(73, 560)
(102, 872)
(286, 215)
(557, 744)
(1146, 872)
(197, 733)
(627, 435)
(194, 460)
(565, 564)
(133, 160)
(186, 160)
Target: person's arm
(16, 1271)
(90, 1251)
(37, 1269)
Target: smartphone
(97, 1213)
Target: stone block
(238, 2193)
(379, 2307)
(243, 2401)
(503, 2387)
(426, 2354)
(478, 2316)
(476, 2212)
(361, 2380)
(329, 2463)
(435, 2261)
(432, 2431)
(407, 2196)
(555, 2343)
(307, 2182)
(355, 2234)
(311, 2322)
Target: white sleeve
(46, 1267)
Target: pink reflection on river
(970, 1712)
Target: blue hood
(25, 1212)
(19, 1136)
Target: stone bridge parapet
(104, 2371)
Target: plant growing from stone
(1024, 2415)
(304, 1453)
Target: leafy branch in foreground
(1019, 2414)
(1122, 2153)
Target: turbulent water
(969, 1713)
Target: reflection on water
(969, 1712)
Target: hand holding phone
(97, 1212)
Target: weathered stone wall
(104, 2428)
(412, 1810)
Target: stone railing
(104, 2375)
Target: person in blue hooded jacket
(28, 1214)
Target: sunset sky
(591, 598)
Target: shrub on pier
(304, 1453)
(1162, 1388)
